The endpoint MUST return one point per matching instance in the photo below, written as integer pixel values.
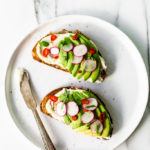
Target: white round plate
(125, 90)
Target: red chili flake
(79, 71)
(85, 101)
(85, 110)
(92, 50)
(53, 98)
(45, 52)
(75, 37)
(56, 57)
(102, 117)
(53, 37)
(74, 118)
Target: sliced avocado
(69, 64)
(78, 96)
(107, 128)
(107, 122)
(75, 69)
(67, 120)
(77, 123)
(60, 43)
(89, 42)
(95, 74)
(98, 111)
(75, 42)
(79, 75)
(83, 128)
(86, 76)
(82, 41)
(63, 56)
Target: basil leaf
(44, 43)
(90, 106)
(64, 97)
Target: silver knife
(31, 104)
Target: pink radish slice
(72, 108)
(54, 51)
(92, 104)
(89, 65)
(94, 127)
(77, 60)
(51, 103)
(61, 109)
(87, 117)
(80, 50)
(67, 47)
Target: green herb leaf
(97, 129)
(44, 43)
(91, 106)
(64, 97)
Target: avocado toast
(81, 109)
(73, 52)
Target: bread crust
(36, 57)
(46, 98)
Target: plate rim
(90, 17)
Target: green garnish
(91, 106)
(44, 43)
(97, 129)
(64, 97)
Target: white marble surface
(18, 19)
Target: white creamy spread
(51, 60)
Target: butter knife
(31, 104)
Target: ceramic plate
(125, 90)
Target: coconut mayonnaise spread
(49, 59)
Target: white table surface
(18, 19)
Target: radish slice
(61, 109)
(96, 127)
(89, 65)
(67, 47)
(92, 104)
(77, 60)
(87, 117)
(51, 103)
(80, 50)
(72, 108)
(54, 51)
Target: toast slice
(72, 52)
(69, 105)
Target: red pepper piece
(74, 118)
(75, 37)
(53, 37)
(45, 52)
(92, 50)
(56, 57)
(85, 101)
(79, 71)
(53, 98)
(85, 110)
(102, 117)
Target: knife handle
(48, 145)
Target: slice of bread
(36, 57)
(88, 132)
